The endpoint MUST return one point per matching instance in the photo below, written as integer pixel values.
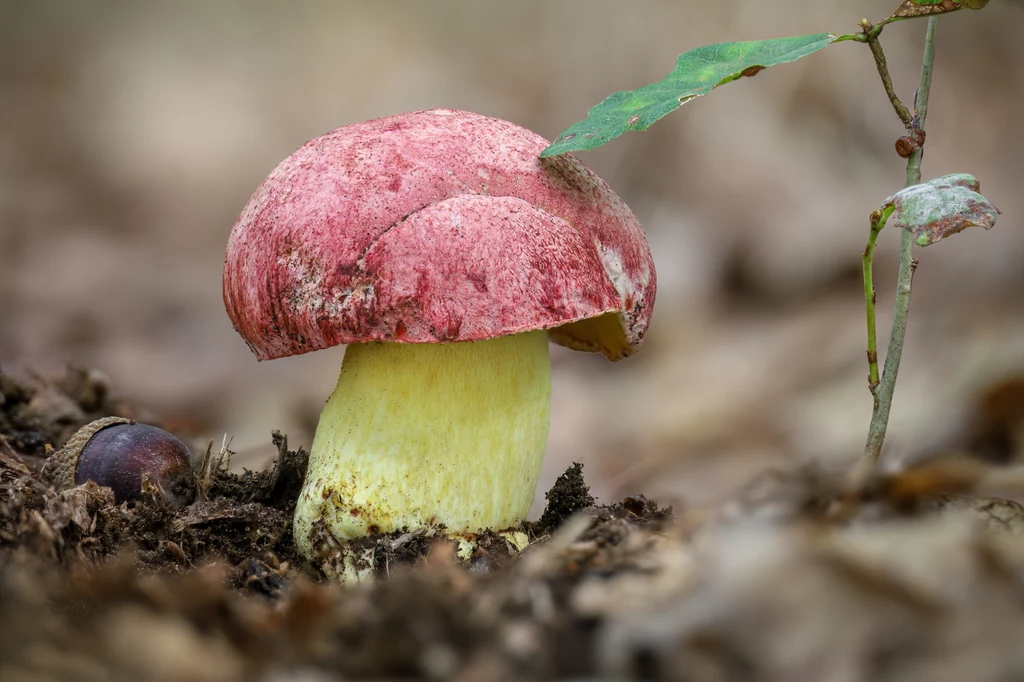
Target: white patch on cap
(629, 288)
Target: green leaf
(697, 73)
(938, 208)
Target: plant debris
(806, 575)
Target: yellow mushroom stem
(426, 435)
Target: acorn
(115, 452)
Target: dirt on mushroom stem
(923, 577)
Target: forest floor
(806, 575)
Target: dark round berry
(905, 146)
(117, 456)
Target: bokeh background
(132, 133)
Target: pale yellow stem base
(425, 435)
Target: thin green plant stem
(877, 223)
(883, 72)
(887, 384)
(923, 93)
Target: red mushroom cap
(435, 226)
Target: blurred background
(132, 133)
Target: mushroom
(445, 253)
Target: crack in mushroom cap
(436, 226)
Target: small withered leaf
(936, 209)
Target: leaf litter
(807, 574)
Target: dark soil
(567, 496)
(805, 576)
(89, 588)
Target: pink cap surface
(436, 226)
